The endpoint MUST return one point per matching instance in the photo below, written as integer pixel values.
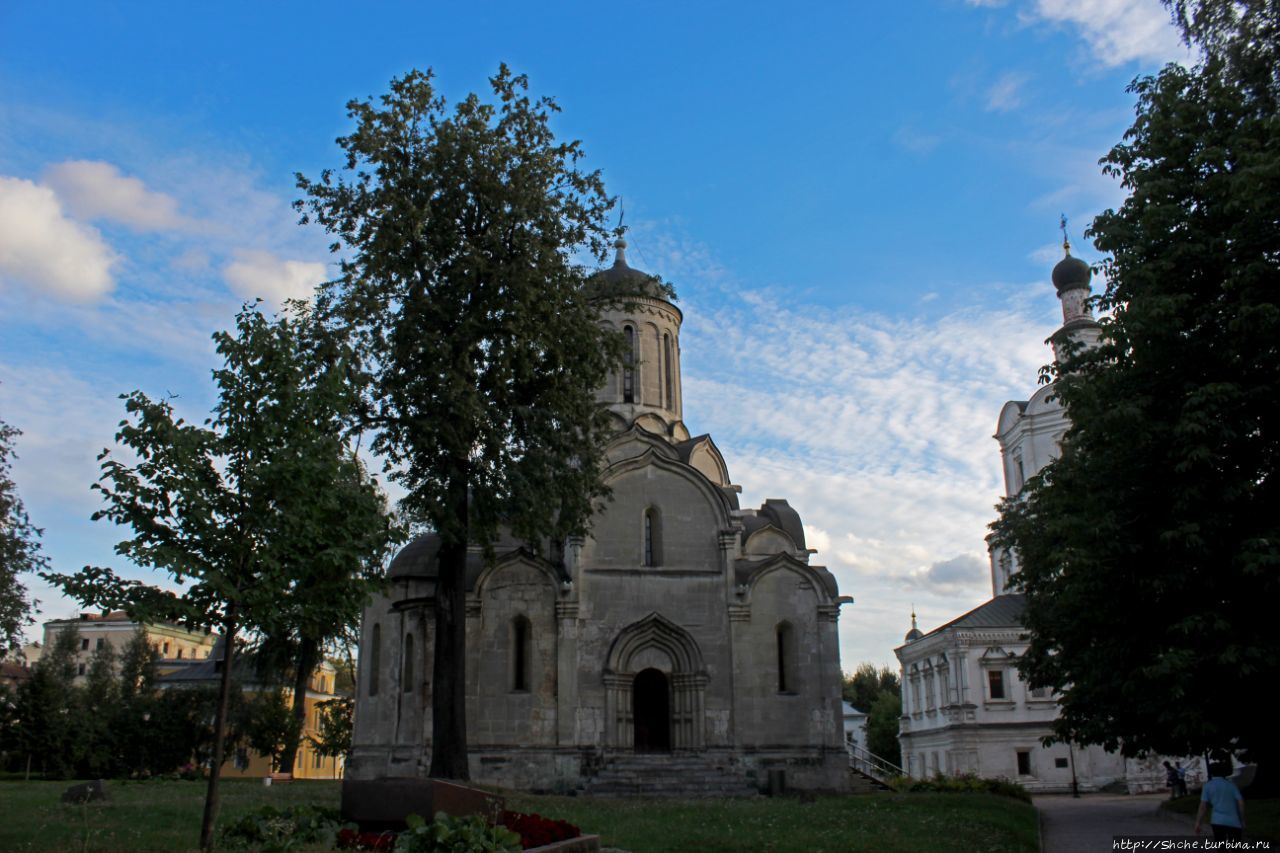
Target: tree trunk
(308, 651)
(219, 732)
(449, 676)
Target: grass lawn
(166, 816)
(1261, 817)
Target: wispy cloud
(1006, 93)
(877, 430)
(47, 251)
(916, 141)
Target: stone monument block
(381, 804)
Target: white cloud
(96, 190)
(1006, 93)
(45, 250)
(259, 274)
(915, 141)
(878, 431)
(1116, 31)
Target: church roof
(1003, 611)
(419, 559)
(621, 281)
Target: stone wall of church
(511, 683)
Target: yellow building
(194, 659)
(177, 646)
(243, 761)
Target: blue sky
(857, 203)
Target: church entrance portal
(651, 711)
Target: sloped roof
(1003, 611)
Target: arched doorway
(651, 711)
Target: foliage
(19, 550)
(335, 719)
(276, 830)
(44, 732)
(460, 291)
(966, 783)
(1149, 550)
(266, 723)
(231, 510)
(882, 727)
(449, 833)
(867, 683)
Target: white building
(964, 707)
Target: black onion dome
(621, 281)
(1071, 273)
(913, 634)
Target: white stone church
(964, 707)
(686, 645)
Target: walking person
(1222, 800)
(1171, 780)
(1180, 789)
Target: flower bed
(535, 832)
(538, 831)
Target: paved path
(1070, 825)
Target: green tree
(1149, 550)
(459, 286)
(94, 710)
(335, 726)
(19, 550)
(882, 727)
(864, 686)
(46, 710)
(267, 725)
(219, 507)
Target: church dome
(621, 281)
(418, 558)
(1071, 273)
(913, 634)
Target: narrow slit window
(375, 658)
(521, 649)
(651, 547)
(628, 367)
(669, 373)
(786, 653)
(408, 662)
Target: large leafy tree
(19, 550)
(459, 230)
(227, 508)
(1150, 550)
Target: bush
(273, 830)
(470, 834)
(966, 783)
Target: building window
(786, 658)
(652, 535)
(80, 669)
(179, 653)
(521, 652)
(1060, 763)
(1040, 693)
(670, 372)
(165, 650)
(1019, 473)
(375, 658)
(1024, 762)
(408, 664)
(628, 366)
(995, 683)
(84, 644)
(315, 760)
(100, 643)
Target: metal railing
(868, 762)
